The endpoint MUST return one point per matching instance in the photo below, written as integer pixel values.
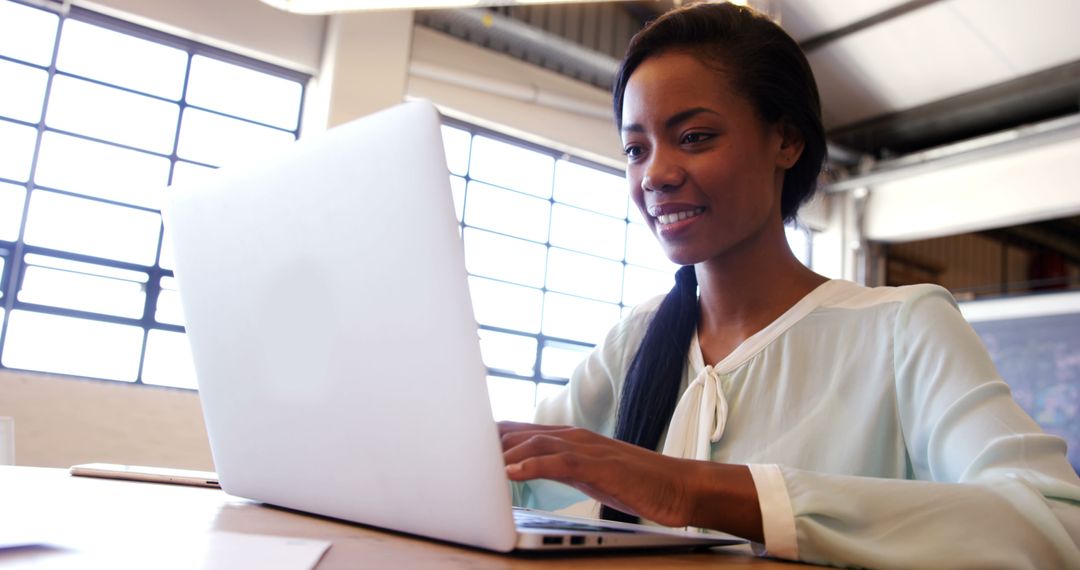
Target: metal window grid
(14, 252)
(542, 340)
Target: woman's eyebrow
(672, 120)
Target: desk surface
(128, 524)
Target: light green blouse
(877, 429)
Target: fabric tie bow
(699, 418)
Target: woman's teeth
(666, 219)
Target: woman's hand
(666, 490)
(613, 472)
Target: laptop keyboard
(525, 519)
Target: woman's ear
(791, 144)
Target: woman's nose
(662, 174)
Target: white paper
(229, 550)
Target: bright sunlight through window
(97, 118)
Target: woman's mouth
(668, 219)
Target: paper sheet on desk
(228, 550)
(210, 551)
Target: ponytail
(651, 389)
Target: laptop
(327, 307)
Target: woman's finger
(512, 427)
(513, 438)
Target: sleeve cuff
(777, 517)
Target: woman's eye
(691, 138)
(632, 151)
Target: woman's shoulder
(645, 310)
(635, 322)
(844, 294)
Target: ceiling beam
(818, 41)
(1032, 98)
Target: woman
(830, 422)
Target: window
(97, 118)
(556, 255)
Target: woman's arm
(991, 489)
(666, 490)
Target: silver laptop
(338, 362)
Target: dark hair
(768, 68)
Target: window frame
(14, 253)
(542, 340)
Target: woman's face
(704, 170)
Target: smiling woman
(825, 421)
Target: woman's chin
(680, 256)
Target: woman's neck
(746, 290)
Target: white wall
(61, 421)
(365, 64)
(514, 97)
(1035, 184)
(248, 27)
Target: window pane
(642, 284)
(16, 150)
(64, 345)
(168, 360)
(244, 92)
(213, 139)
(511, 166)
(23, 92)
(168, 304)
(507, 212)
(643, 249)
(111, 114)
(633, 213)
(584, 275)
(83, 286)
(506, 306)
(559, 360)
(509, 352)
(120, 59)
(584, 231)
(457, 188)
(101, 170)
(590, 188)
(799, 241)
(511, 399)
(27, 33)
(92, 228)
(545, 390)
(456, 143)
(12, 198)
(578, 319)
(506, 258)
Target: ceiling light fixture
(334, 6)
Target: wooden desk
(122, 524)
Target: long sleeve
(591, 396)
(990, 490)
(589, 400)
